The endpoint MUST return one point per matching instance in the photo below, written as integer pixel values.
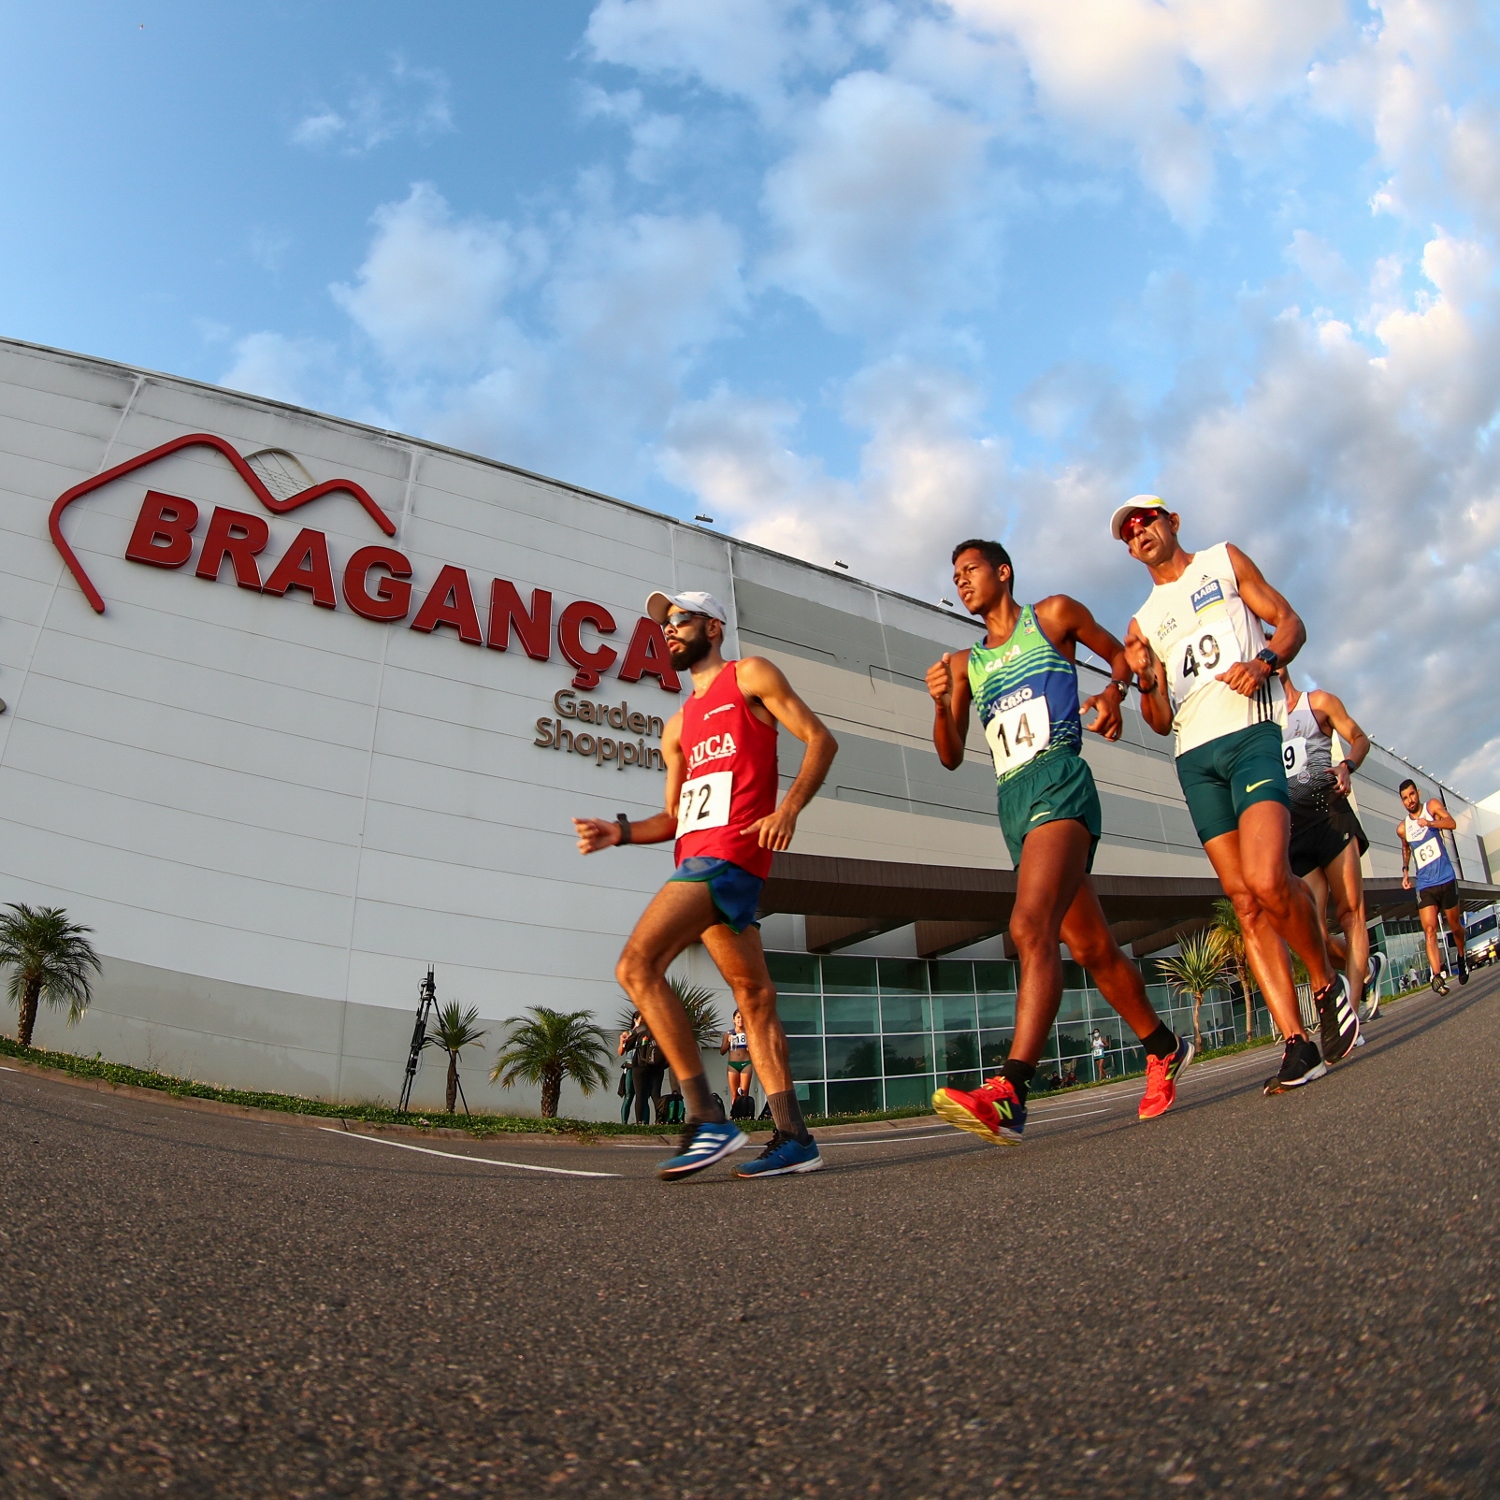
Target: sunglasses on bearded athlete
(1138, 521)
(677, 619)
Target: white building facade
(296, 708)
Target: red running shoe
(993, 1111)
(1161, 1080)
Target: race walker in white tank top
(1200, 626)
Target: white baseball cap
(1136, 502)
(694, 601)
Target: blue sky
(854, 279)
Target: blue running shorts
(735, 891)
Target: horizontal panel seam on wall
(213, 819)
(209, 924)
(188, 665)
(184, 864)
(301, 786)
(152, 615)
(199, 714)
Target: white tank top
(1307, 754)
(1199, 626)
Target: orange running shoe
(993, 1111)
(1161, 1080)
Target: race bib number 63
(704, 802)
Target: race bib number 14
(704, 802)
(1019, 734)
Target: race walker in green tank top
(1026, 694)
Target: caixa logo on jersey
(375, 581)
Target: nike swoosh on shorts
(1046, 812)
(1256, 785)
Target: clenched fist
(940, 679)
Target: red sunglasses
(1138, 520)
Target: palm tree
(698, 1002)
(1232, 940)
(50, 959)
(550, 1046)
(454, 1031)
(1199, 966)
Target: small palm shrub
(698, 1002)
(50, 959)
(455, 1030)
(1199, 966)
(549, 1046)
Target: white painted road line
(483, 1161)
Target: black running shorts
(1316, 844)
(1444, 896)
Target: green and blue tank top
(1026, 693)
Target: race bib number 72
(704, 802)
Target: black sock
(787, 1113)
(1162, 1042)
(1020, 1074)
(699, 1101)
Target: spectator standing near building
(1096, 1043)
(735, 1046)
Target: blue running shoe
(703, 1143)
(784, 1154)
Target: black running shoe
(1340, 1020)
(1438, 985)
(1300, 1064)
(1370, 1001)
(1463, 967)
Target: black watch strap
(624, 823)
(1269, 657)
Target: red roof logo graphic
(253, 480)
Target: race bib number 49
(1019, 734)
(1196, 660)
(1294, 757)
(704, 802)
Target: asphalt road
(1293, 1296)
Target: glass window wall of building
(871, 1034)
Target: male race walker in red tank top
(721, 809)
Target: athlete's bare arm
(1156, 705)
(1331, 714)
(600, 833)
(1248, 677)
(948, 683)
(1069, 623)
(763, 681)
(1405, 855)
(1438, 816)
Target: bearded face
(688, 643)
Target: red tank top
(731, 777)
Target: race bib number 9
(704, 802)
(1019, 734)
(1424, 854)
(1197, 659)
(1294, 757)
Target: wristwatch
(1122, 688)
(1269, 657)
(624, 822)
